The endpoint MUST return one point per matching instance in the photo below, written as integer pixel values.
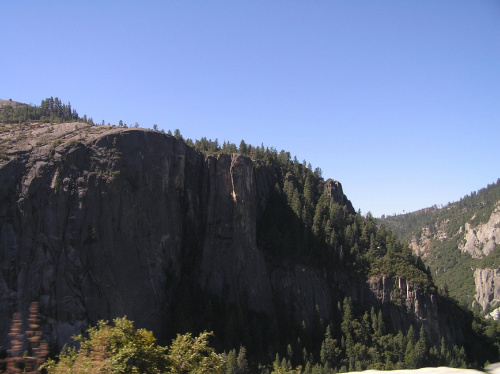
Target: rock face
(334, 191)
(91, 228)
(487, 288)
(480, 241)
(103, 225)
(99, 222)
(421, 246)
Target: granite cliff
(488, 290)
(98, 222)
(481, 240)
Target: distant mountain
(460, 243)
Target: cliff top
(27, 137)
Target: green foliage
(330, 350)
(302, 222)
(119, 348)
(177, 134)
(453, 271)
(193, 355)
(488, 330)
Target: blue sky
(398, 100)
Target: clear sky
(398, 100)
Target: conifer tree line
(50, 110)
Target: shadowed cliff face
(99, 222)
(92, 228)
(229, 244)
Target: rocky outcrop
(487, 288)
(480, 241)
(334, 191)
(466, 226)
(494, 315)
(422, 244)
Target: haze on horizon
(399, 101)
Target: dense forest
(305, 222)
(452, 269)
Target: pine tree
(241, 361)
(410, 361)
(400, 348)
(243, 149)
(329, 349)
(381, 324)
(374, 319)
(348, 317)
(421, 349)
(230, 367)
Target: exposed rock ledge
(487, 288)
(480, 241)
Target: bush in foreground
(120, 348)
